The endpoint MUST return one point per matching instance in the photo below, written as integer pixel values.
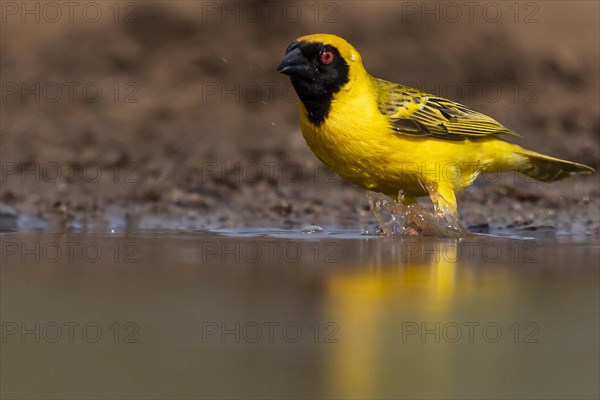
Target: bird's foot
(406, 217)
(387, 213)
(445, 211)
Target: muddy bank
(170, 114)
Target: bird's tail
(548, 169)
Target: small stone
(8, 218)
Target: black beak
(295, 64)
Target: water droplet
(312, 229)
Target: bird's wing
(412, 112)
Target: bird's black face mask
(317, 72)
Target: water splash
(396, 219)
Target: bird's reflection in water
(417, 280)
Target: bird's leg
(401, 202)
(407, 201)
(410, 220)
(444, 203)
(444, 200)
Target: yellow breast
(357, 142)
(354, 140)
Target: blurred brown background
(174, 109)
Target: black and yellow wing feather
(416, 113)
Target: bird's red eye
(326, 57)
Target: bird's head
(319, 66)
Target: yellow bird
(397, 140)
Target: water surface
(285, 314)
